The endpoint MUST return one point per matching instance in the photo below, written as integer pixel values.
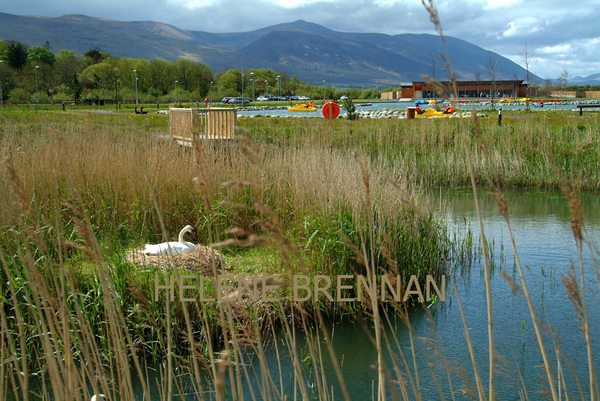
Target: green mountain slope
(311, 52)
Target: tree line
(35, 73)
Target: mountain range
(309, 51)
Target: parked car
(225, 99)
(343, 97)
(238, 100)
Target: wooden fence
(205, 123)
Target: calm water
(397, 106)
(540, 222)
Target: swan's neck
(182, 241)
(181, 234)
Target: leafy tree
(98, 76)
(65, 54)
(230, 83)
(194, 77)
(41, 55)
(95, 56)
(369, 93)
(3, 50)
(17, 54)
(160, 76)
(353, 93)
(67, 69)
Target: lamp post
(210, 94)
(242, 88)
(323, 91)
(36, 86)
(176, 97)
(1, 101)
(252, 79)
(136, 88)
(267, 82)
(279, 87)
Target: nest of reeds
(203, 259)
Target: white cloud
(561, 49)
(193, 4)
(297, 3)
(493, 4)
(522, 27)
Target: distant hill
(589, 80)
(311, 52)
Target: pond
(283, 112)
(546, 248)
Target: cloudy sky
(558, 34)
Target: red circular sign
(331, 110)
(206, 100)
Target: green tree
(95, 56)
(38, 54)
(17, 54)
(230, 83)
(98, 76)
(3, 50)
(63, 53)
(194, 77)
(66, 70)
(160, 77)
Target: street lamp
(252, 79)
(176, 97)
(136, 88)
(279, 86)
(242, 88)
(36, 86)
(267, 82)
(210, 94)
(323, 90)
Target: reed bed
(523, 151)
(79, 192)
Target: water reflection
(545, 244)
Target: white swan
(170, 248)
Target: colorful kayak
(432, 113)
(302, 107)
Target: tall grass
(341, 198)
(76, 194)
(523, 150)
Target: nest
(203, 259)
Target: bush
(18, 95)
(350, 108)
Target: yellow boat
(432, 113)
(302, 107)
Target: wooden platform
(202, 124)
(582, 106)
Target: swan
(170, 248)
(99, 397)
